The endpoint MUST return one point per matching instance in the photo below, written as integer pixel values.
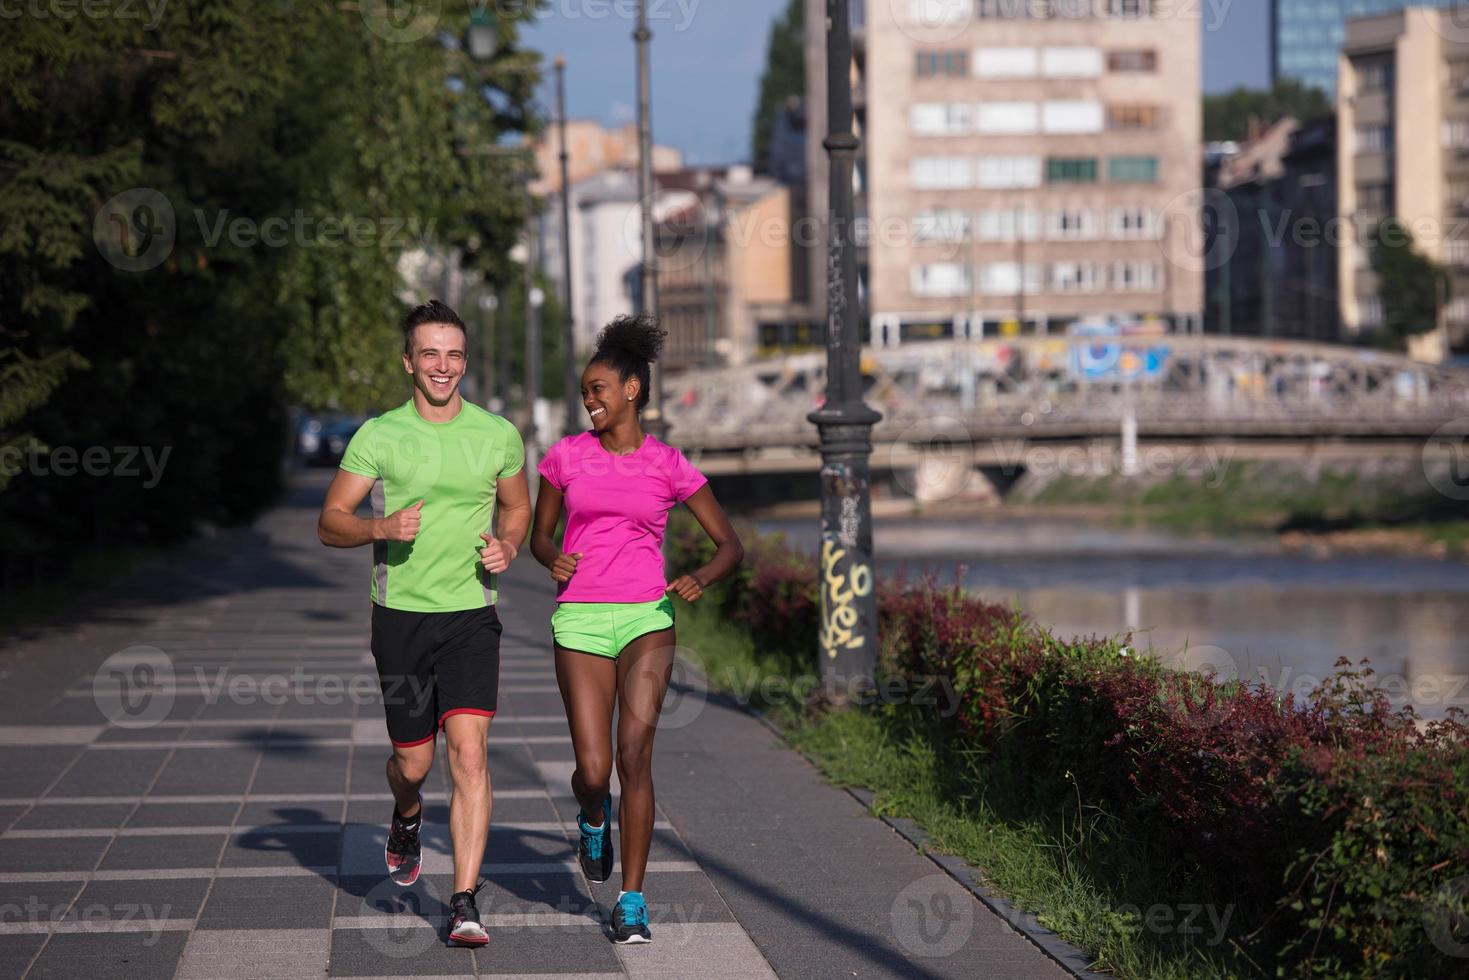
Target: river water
(1242, 608)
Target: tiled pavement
(193, 787)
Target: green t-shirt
(452, 467)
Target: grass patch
(1076, 868)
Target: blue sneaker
(595, 849)
(630, 919)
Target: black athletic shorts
(433, 665)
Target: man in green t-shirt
(450, 512)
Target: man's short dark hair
(431, 312)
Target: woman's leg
(643, 670)
(588, 689)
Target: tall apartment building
(1306, 35)
(1403, 119)
(1029, 164)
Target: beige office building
(1026, 164)
(1403, 120)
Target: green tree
(202, 220)
(1230, 115)
(1410, 284)
(784, 77)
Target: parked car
(321, 440)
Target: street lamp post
(488, 303)
(569, 380)
(653, 420)
(848, 598)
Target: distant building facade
(1307, 35)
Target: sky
(707, 57)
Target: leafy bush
(1336, 828)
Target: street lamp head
(537, 297)
(483, 36)
(560, 62)
(489, 302)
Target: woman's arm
(728, 552)
(543, 534)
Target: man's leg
(465, 736)
(408, 767)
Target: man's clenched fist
(402, 525)
(496, 555)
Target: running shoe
(465, 928)
(403, 852)
(595, 849)
(630, 919)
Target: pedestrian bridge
(1177, 388)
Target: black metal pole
(848, 597)
(571, 381)
(653, 420)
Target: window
(1459, 72)
(941, 173)
(1132, 223)
(1374, 75)
(1132, 276)
(1455, 133)
(1006, 117)
(1132, 170)
(936, 13)
(1375, 139)
(1141, 60)
(1071, 117)
(1076, 277)
(1071, 62)
(1132, 117)
(1375, 197)
(1005, 62)
(1072, 224)
(1004, 277)
(940, 118)
(1129, 9)
(1369, 312)
(940, 226)
(1071, 170)
(1456, 251)
(933, 64)
(940, 279)
(1002, 9)
(1009, 172)
(1002, 226)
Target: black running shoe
(595, 849)
(403, 853)
(630, 919)
(465, 928)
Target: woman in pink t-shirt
(613, 626)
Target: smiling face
(607, 398)
(437, 361)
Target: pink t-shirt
(616, 510)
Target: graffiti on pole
(840, 586)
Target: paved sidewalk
(193, 787)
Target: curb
(1068, 957)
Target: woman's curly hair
(629, 345)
